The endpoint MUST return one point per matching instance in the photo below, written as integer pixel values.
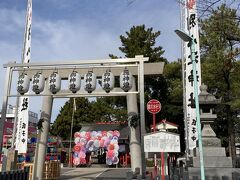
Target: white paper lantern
(38, 83)
(126, 80)
(90, 82)
(54, 82)
(74, 81)
(108, 81)
(23, 83)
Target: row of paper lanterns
(74, 79)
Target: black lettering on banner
(24, 125)
(190, 59)
(193, 138)
(24, 104)
(194, 122)
(192, 21)
(190, 78)
(28, 51)
(192, 101)
(23, 133)
(29, 32)
(194, 130)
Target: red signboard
(153, 106)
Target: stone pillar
(135, 147)
(11, 160)
(40, 153)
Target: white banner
(27, 37)
(23, 107)
(191, 27)
(22, 126)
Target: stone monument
(216, 163)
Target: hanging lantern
(74, 81)
(54, 82)
(108, 81)
(38, 83)
(23, 83)
(126, 80)
(90, 81)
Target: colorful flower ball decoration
(96, 143)
(111, 147)
(93, 140)
(83, 141)
(77, 140)
(75, 154)
(110, 154)
(115, 160)
(76, 161)
(77, 148)
(82, 134)
(83, 161)
(109, 161)
(116, 133)
(77, 134)
(82, 154)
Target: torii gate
(135, 65)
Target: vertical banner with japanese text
(191, 27)
(23, 107)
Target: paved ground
(98, 173)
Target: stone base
(212, 157)
(211, 151)
(213, 161)
(211, 142)
(212, 172)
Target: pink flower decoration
(77, 134)
(111, 147)
(116, 133)
(104, 133)
(110, 154)
(77, 148)
(106, 142)
(88, 136)
(82, 154)
(76, 161)
(83, 161)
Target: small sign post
(154, 107)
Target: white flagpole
(70, 138)
(21, 117)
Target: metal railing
(15, 175)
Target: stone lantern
(214, 156)
(207, 104)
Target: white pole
(70, 138)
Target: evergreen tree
(220, 67)
(86, 112)
(142, 41)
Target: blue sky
(82, 29)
